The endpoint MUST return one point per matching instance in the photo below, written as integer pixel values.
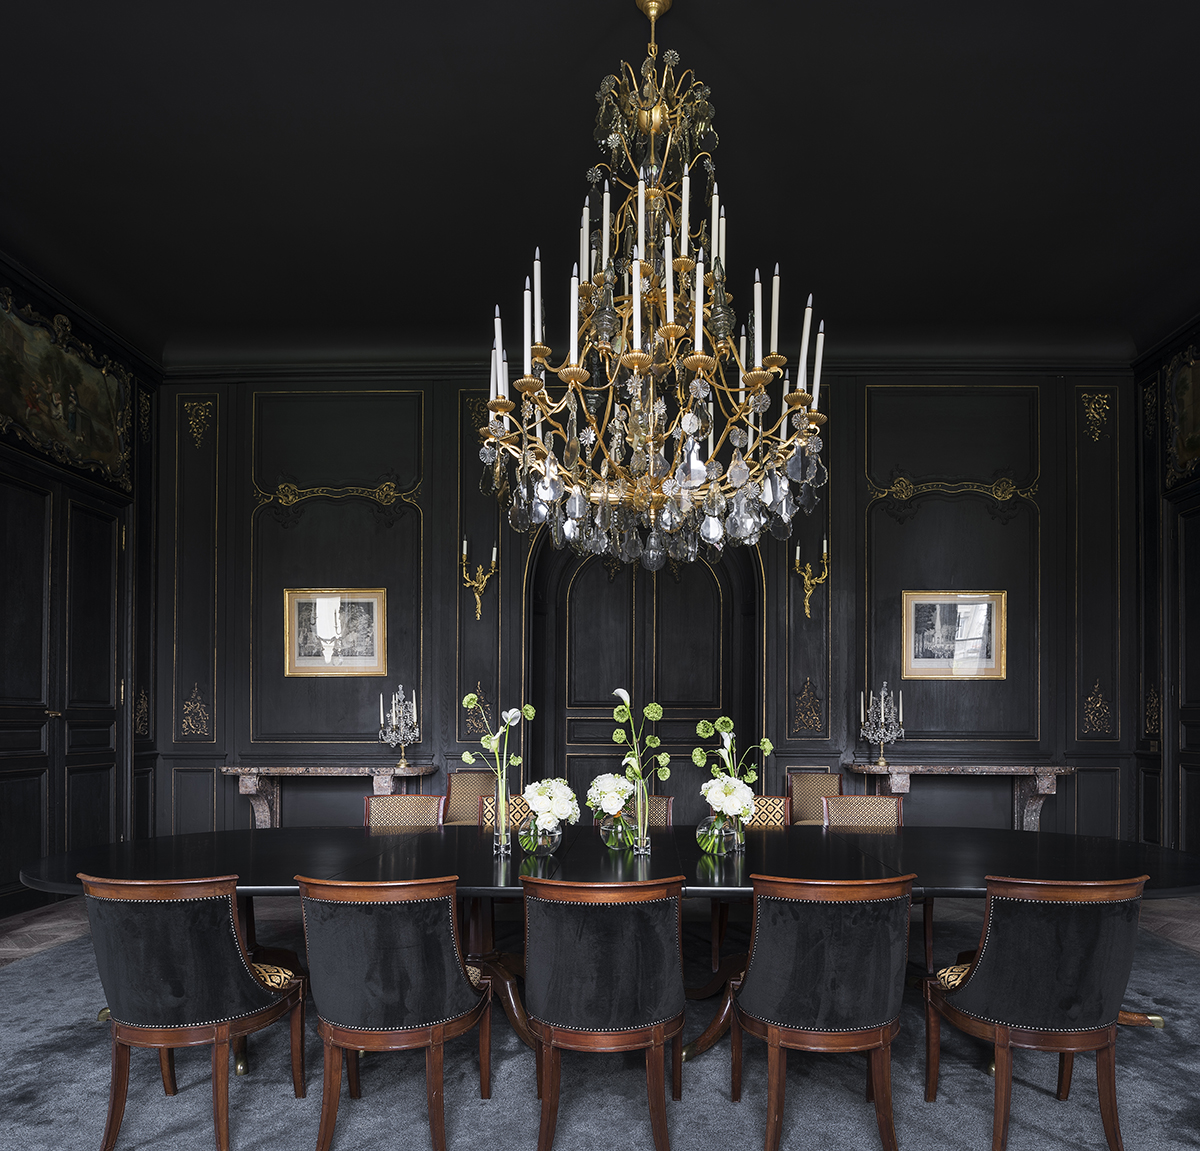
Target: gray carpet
(54, 1072)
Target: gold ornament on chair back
(657, 432)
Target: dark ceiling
(212, 178)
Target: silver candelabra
(398, 725)
(882, 721)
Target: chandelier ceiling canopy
(658, 432)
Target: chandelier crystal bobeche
(654, 437)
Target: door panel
(91, 607)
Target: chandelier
(655, 436)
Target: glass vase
(617, 831)
(501, 832)
(721, 834)
(641, 812)
(537, 841)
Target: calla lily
(511, 717)
(620, 691)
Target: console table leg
(263, 794)
(1028, 796)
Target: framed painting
(335, 631)
(955, 634)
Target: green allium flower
(470, 700)
(468, 758)
(527, 708)
(621, 713)
(766, 745)
(704, 729)
(663, 759)
(514, 760)
(724, 724)
(653, 712)
(699, 756)
(653, 741)
(619, 735)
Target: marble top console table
(260, 785)
(1031, 783)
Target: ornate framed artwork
(334, 631)
(955, 634)
(1182, 402)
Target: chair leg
(677, 1067)
(297, 1043)
(1003, 1090)
(118, 1088)
(870, 1079)
(735, 1061)
(551, 1073)
(354, 1084)
(331, 1092)
(1066, 1063)
(1106, 1082)
(933, 1047)
(485, 1053)
(220, 1087)
(776, 1085)
(881, 1077)
(539, 1052)
(656, 1092)
(433, 1092)
(166, 1065)
(927, 924)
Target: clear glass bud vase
(501, 831)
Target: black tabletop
(946, 860)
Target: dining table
(946, 861)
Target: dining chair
(806, 789)
(384, 812)
(518, 811)
(1049, 975)
(604, 972)
(826, 973)
(175, 972)
(464, 788)
(387, 974)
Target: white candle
(721, 242)
(714, 231)
(797, 564)
(775, 311)
(501, 385)
(494, 546)
(817, 364)
(669, 275)
(824, 546)
(504, 379)
(537, 295)
(641, 213)
(604, 240)
(902, 707)
(637, 297)
(802, 373)
(862, 710)
(712, 422)
(492, 370)
(585, 256)
(464, 547)
(527, 319)
(683, 214)
(414, 705)
(698, 338)
(758, 315)
(574, 315)
(742, 365)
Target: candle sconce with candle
(806, 574)
(479, 583)
(882, 721)
(399, 726)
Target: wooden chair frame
(222, 1037)
(1065, 1044)
(552, 1040)
(351, 1040)
(875, 1041)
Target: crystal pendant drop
(570, 530)
(808, 499)
(780, 528)
(739, 473)
(796, 466)
(549, 488)
(631, 546)
(539, 511)
(668, 518)
(576, 504)
(557, 520)
(711, 531)
(518, 516)
(691, 473)
(786, 507)
(655, 553)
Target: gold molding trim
(195, 715)
(1097, 713)
(1095, 413)
(1153, 712)
(902, 488)
(478, 718)
(807, 708)
(144, 415)
(141, 714)
(1150, 410)
(288, 495)
(199, 417)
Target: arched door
(688, 637)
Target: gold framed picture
(334, 631)
(955, 634)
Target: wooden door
(688, 637)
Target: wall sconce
(805, 573)
(479, 583)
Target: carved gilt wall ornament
(61, 396)
(612, 565)
(1097, 713)
(477, 412)
(1150, 410)
(806, 712)
(1181, 404)
(141, 714)
(902, 492)
(476, 718)
(1153, 712)
(288, 496)
(144, 415)
(199, 415)
(195, 715)
(1095, 413)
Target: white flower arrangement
(609, 793)
(729, 796)
(552, 801)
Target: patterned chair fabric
(464, 789)
(807, 788)
(771, 811)
(387, 811)
(875, 812)
(518, 810)
(662, 808)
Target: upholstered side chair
(518, 811)
(604, 972)
(807, 789)
(175, 972)
(464, 789)
(1049, 975)
(826, 973)
(387, 812)
(387, 975)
